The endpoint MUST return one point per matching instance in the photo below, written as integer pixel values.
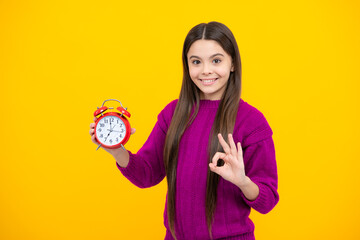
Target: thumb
(214, 168)
(133, 130)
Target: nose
(207, 69)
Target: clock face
(110, 130)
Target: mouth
(208, 81)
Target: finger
(232, 145)
(217, 156)
(92, 132)
(214, 168)
(92, 125)
(240, 152)
(218, 170)
(95, 118)
(133, 130)
(93, 139)
(229, 159)
(224, 145)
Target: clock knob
(100, 110)
(123, 111)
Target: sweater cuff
(261, 200)
(130, 168)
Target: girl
(215, 149)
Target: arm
(233, 170)
(260, 167)
(122, 158)
(145, 168)
(254, 172)
(249, 189)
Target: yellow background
(60, 59)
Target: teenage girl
(215, 149)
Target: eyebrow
(214, 55)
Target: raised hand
(233, 170)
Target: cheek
(193, 72)
(224, 72)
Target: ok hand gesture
(233, 170)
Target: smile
(208, 81)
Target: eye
(196, 62)
(216, 60)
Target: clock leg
(98, 147)
(123, 147)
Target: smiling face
(209, 68)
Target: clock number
(99, 130)
(101, 135)
(106, 121)
(110, 141)
(112, 119)
(102, 125)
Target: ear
(232, 67)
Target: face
(209, 68)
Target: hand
(92, 134)
(233, 170)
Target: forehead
(205, 48)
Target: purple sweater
(231, 217)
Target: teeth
(208, 81)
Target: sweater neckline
(209, 103)
(212, 103)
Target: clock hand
(110, 130)
(115, 131)
(107, 136)
(113, 127)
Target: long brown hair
(187, 109)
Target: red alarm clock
(112, 128)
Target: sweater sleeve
(146, 167)
(260, 162)
(260, 167)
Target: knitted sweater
(231, 217)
